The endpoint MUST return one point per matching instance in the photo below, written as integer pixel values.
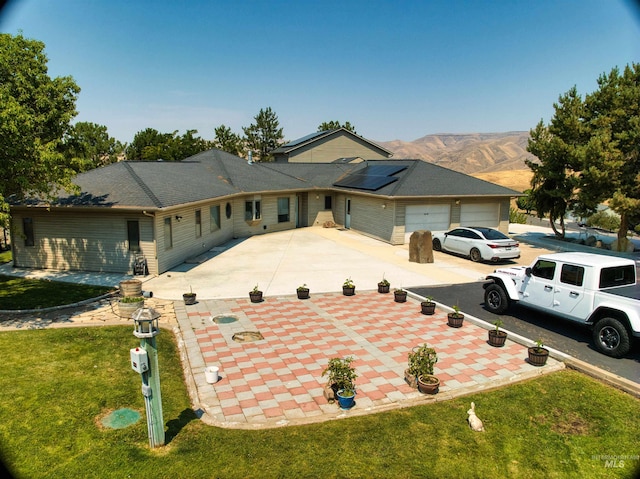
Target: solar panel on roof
(372, 177)
(303, 139)
(383, 170)
(366, 182)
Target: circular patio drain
(120, 418)
(224, 319)
(247, 336)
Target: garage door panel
(427, 217)
(480, 214)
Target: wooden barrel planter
(538, 356)
(497, 338)
(400, 296)
(131, 287)
(428, 307)
(455, 320)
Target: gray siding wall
(368, 216)
(80, 241)
(268, 222)
(331, 149)
(186, 243)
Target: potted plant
(400, 295)
(190, 297)
(255, 295)
(341, 376)
(428, 306)
(497, 338)
(303, 292)
(129, 305)
(421, 361)
(455, 318)
(538, 354)
(348, 288)
(384, 286)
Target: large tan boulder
(626, 246)
(421, 247)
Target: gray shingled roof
(214, 174)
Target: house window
(27, 229)
(252, 210)
(214, 215)
(198, 223)
(168, 234)
(283, 210)
(327, 202)
(133, 235)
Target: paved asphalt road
(562, 335)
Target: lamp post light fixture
(144, 360)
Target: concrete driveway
(321, 258)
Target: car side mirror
(528, 271)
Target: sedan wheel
(475, 255)
(436, 245)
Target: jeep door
(537, 288)
(569, 297)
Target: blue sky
(394, 69)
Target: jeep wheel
(611, 337)
(495, 299)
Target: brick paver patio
(278, 380)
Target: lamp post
(144, 360)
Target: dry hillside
(472, 153)
(518, 180)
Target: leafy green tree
(228, 141)
(88, 146)
(187, 145)
(525, 202)
(151, 140)
(264, 135)
(35, 112)
(151, 145)
(333, 125)
(612, 156)
(559, 152)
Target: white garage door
(427, 217)
(480, 214)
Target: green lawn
(21, 293)
(56, 383)
(5, 256)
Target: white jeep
(596, 290)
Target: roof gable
(321, 136)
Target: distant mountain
(471, 153)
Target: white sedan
(478, 243)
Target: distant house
(168, 212)
(328, 146)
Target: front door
(347, 213)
